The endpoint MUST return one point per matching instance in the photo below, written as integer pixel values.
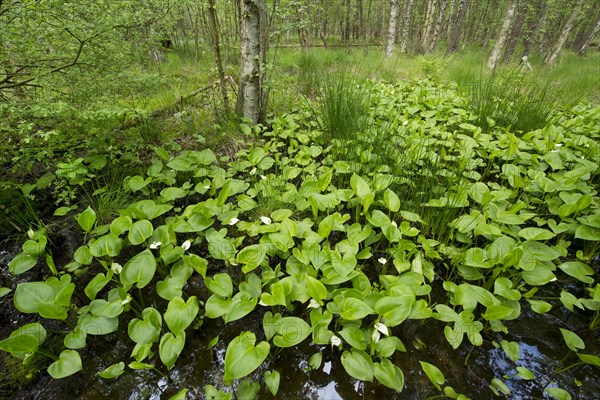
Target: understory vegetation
(380, 193)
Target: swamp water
(469, 370)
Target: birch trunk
(590, 38)
(553, 55)
(391, 39)
(456, 26)
(493, 60)
(406, 25)
(515, 33)
(428, 28)
(249, 93)
(438, 26)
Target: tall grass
(511, 100)
(343, 107)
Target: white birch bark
(391, 39)
(553, 55)
(510, 13)
(590, 38)
(406, 25)
(249, 94)
(438, 27)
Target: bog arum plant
(341, 247)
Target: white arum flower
(233, 221)
(558, 145)
(382, 328)
(30, 233)
(263, 177)
(375, 336)
(186, 245)
(265, 220)
(394, 224)
(206, 187)
(405, 123)
(335, 341)
(127, 300)
(155, 245)
(382, 261)
(253, 171)
(116, 267)
(313, 304)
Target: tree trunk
(456, 27)
(391, 39)
(429, 25)
(406, 25)
(590, 38)
(249, 99)
(438, 26)
(553, 55)
(214, 27)
(515, 32)
(493, 60)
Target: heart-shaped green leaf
(242, 357)
(180, 314)
(67, 364)
(139, 270)
(170, 348)
(358, 365)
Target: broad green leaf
(499, 385)
(272, 379)
(525, 374)
(20, 345)
(243, 357)
(434, 374)
(389, 375)
(572, 340)
(22, 263)
(354, 336)
(113, 371)
(354, 309)
(220, 285)
(395, 309)
(67, 364)
(4, 291)
(170, 348)
(558, 393)
(251, 256)
(87, 219)
(589, 359)
(140, 231)
(291, 331)
(511, 349)
(180, 314)
(392, 201)
(536, 234)
(97, 325)
(276, 297)
(240, 306)
(540, 306)
(120, 225)
(97, 284)
(246, 389)
(107, 245)
(359, 186)
(147, 329)
(578, 270)
(316, 360)
(358, 365)
(139, 270)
